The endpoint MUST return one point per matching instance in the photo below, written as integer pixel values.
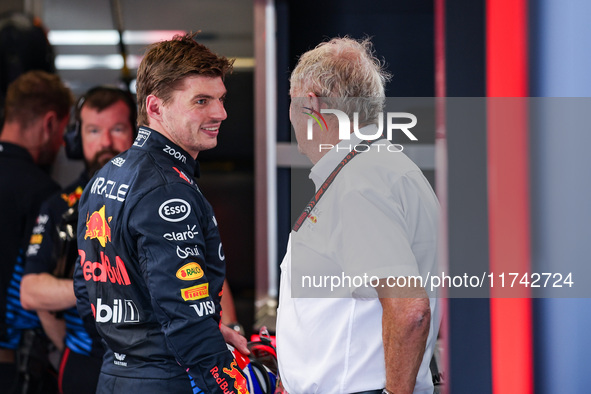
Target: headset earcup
(74, 143)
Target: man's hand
(406, 320)
(235, 339)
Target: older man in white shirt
(353, 316)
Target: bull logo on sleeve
(239, 379)
(97, 226)
(240, 384)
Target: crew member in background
(36, 113)
(105, 125)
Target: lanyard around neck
(322, 189)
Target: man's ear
(49, 124)
(154, 107)
(313, 101)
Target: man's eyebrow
(207, 96)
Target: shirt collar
(151, 140)
(327, 163)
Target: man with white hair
(373, 221)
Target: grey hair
(345, 73)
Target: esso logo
(174, 210)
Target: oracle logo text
(109, 189)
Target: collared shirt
(377, 219)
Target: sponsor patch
(239, 379)
(204, 308)
(174, 153)
(142, 137)
(97, 227)
(174, 210)
(118, 161)
(182, 235)
(234, 374)
(120, 359)
(195, 292)
(190, 271)
(183, 253)
(109, 189)
(104, 271)
(36, 239)
(122, 311)
(32, 250)
(40, 224)
(73, 197)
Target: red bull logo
(73, 197)
(240, 386)
(104, 270)
(97, 226)
(239, 379)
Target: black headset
(73, 137)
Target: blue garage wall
(561, 188)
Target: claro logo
(174, 210)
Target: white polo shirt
(378, 218)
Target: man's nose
(219, 111)
(106, 139)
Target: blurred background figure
(23, 47)
(104, 126)
(37, 111)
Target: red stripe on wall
(508, 193)
(441, 171)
